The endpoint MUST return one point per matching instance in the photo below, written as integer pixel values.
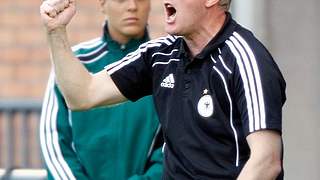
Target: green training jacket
(118, 142)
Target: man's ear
(210, 3)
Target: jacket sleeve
(154, 166)
(56, 137)
(259, 87)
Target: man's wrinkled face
(127, 17)
(182, 16)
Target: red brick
(30, 73)
(7, 37)
(22, 90)
(6, 73)
(24, 62)
(23, 42)
(30, 36)
(13, 55)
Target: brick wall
(24, 63)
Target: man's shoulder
(164, 44)
(168, 39)
(163, 41)
(88, 46)
(243, 43)
(248, 39)
(91, 50)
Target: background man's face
(127, 17)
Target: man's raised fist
(57, 13)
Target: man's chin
(133, 31)
(172, 32)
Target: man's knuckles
(50, 11)
(58, 5)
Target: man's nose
(132, 5)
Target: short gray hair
(225, 4)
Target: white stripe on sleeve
(49, 136)
(245, 83)
(44, 148)
(257, 76)
(252, 84)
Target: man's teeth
(171, 18)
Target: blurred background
(288, 28)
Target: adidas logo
(168, 82)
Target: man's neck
(198, 40)
(123, 38)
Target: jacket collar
(224, 33)
(132, 44)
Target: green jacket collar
(131, 45)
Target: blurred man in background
(118, 142)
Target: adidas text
(168, 82)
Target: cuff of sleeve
(270, 126)
(122, 86)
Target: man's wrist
(56, 31)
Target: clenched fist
(57, 13)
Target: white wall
(291, 31)
(251, 14)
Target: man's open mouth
(170, 12)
